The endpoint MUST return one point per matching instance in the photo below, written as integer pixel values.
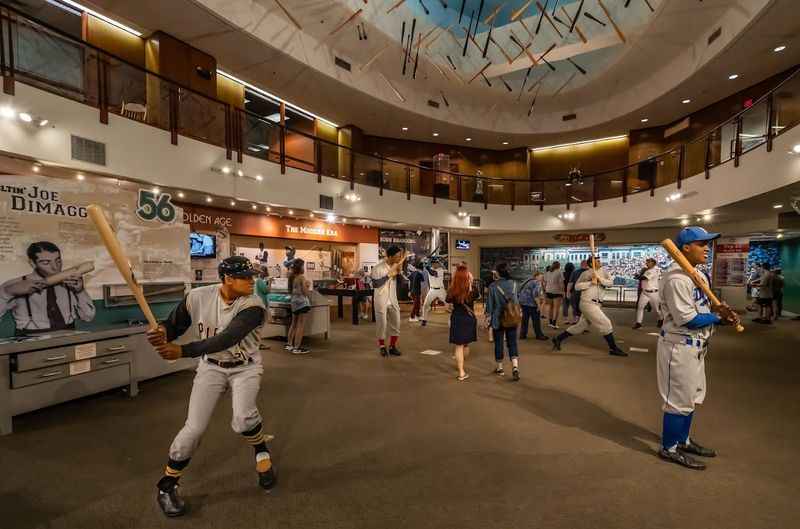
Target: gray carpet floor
(363, 441)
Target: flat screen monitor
(202, 245)
(462, 244)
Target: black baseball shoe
(515, 374)
(542, 337)
(617, 352)
(423, 323)
(556, 343)
(681, 459)
(637, 325)
(394, 351)
(268, 479)
(695, 449)
(384, 352)
(171, 503)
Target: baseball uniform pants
(387, 321)
(592, 315)
(433, 294)
(653, 299)
(681, 375)
(210, 383)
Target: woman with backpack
(463, 325)
(502, 306)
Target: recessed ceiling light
(311, 215)
(405, 129)
(24, 116)
(269, 208)
(779, 49)
(156, 190)
(779, 236)
(7, 112)
(259, 177)
(331, 217)
(686, 101)
(233, 202)
(79, 176)
(505, 143)
(180, 194)
(435, 133)
(777, 206)
(467, 139)
(291, 212)
(796, 148)
(733, 76)
(707, 217)
(253, 206)
(44, 122)
(226, 169)
(209, 199)
(240, 172)
(645, 120)
(684, 222)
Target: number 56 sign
(152, 206)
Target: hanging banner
(730, 261)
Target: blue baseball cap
(692, 234)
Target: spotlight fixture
(331, 217)
(36, 168)
(684, 222)
(24, 116)
(505, 143)
(796, 148)
(777, 206)
(733, 76)
(226, 170)
(645, 120)
(467, 139)
(779, 48)
(44, 122)
(7, 112)
(707, 217)
(311, 215)
(673, 197)
(462, 214)
(435, 134)
(291, 212)
(779, 236)
(567, 215)
(156, 190)
(253, 206)
(259, 177)
(209, 199)
(269, 208)
(180, 194)
(686, 101)
(240, 172)
(80, 176)
(405, 129)
(233, 203)
(352, 197)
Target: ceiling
(665, 59)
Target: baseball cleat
(556, 344)
(171, 503)
(695, 449)
(384, 352)
(681, 459)
(542, 337)
(394, 351)
(617, 352)
(637, 325)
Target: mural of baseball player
(649, 281)
(387, 310)
(689, 323)
(436, 290)
(589, 284)
(49, 298)
(224, 321)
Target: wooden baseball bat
(591, 247)
(684, 263)
(70, 273)
(121, 260)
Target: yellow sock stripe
(256, 440)
(172, 472)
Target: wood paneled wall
(595, 157)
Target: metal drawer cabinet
(103, 362)
(70, 353)
(29, 378)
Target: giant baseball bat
(76, 272)
(684, 263)
(591, 247)
(121, 260)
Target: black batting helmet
(236, 266)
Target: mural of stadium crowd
(623, 262)
(763, 252)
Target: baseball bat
(70, 273)
(684, 263)
(121, 260)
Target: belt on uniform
(228, 365)
(681, 339)
(651, 291)
(435, 288)
(596, 300)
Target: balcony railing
(42, 56)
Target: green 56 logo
(155, 207)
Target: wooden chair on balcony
(135, 111)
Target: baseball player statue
(589, 285)
(435, 289)
(222, 322)
(649, 281)
(387, 309)
(689, 322)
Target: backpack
(512, 312)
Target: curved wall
(140, 152)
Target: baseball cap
(236, 266)
(692, 234)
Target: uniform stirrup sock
(393, 341)
(255, 438)
(672, 430)
(563, 336)
(263, 462)
(610, 340)
(172, 473)
(381, 343)
(687, 425)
